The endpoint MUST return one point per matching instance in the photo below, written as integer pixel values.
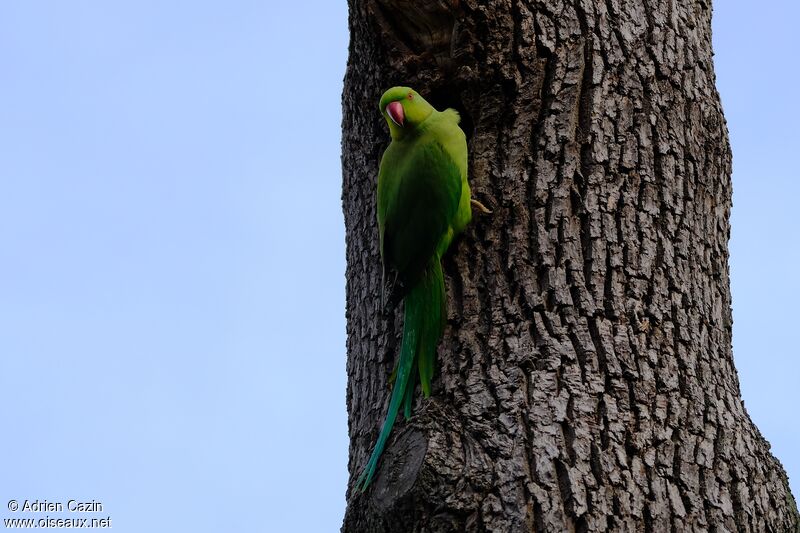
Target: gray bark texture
(585, 379)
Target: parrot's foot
(480, 207)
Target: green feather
(433, 324)
(408, 402)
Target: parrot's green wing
(418, 195)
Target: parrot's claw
(480, 207)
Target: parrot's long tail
(423, 323)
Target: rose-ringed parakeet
(423, 202)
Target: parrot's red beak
(395, 111)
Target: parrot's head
(404, 109)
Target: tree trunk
(585, 379)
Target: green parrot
(423, 202)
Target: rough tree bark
(586, 379)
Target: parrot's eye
(410, 96)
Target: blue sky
(172, 336)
